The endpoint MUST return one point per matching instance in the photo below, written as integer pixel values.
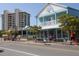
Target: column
(55, 18)
(48, 35)
(68, 36)
(40, 35)
(22, 32)
(56, 34)
(43, 21)
(43, 35)
(61, 34)
(36, 21)
(26, 33)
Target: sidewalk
(59, 45)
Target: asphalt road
(21, 49)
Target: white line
(22, 52)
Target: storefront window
(65, 35)
(59, 33)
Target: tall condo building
(18, 19)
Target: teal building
(47, 18)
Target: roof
(15, 12)
(60, 5)
(25, 27)
(73, 9)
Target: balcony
(48, 23)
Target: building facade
(47, 18)
(19, 19)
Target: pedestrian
(72, 36)
(50, 37)
(19, 37)
(44, 40)
(73, 39)
(12, 37)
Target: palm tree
(1, 32)
(68, 22)
(34, 30)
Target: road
(21, 49)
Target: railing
(48, 23)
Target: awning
(25, 28)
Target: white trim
(51, 26)
(52, 13)
(59, 5)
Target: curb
(69, 47)
(47, 44)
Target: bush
(59, 40)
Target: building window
(49, 18)
(41, 19)
(59, 14)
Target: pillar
(43, 21)
(43, 35)
(22, 32)
(68, 35)
(61, 34)
(55, 18)
(27, 33)
(48, 35)
(56, 34)
(36, 21)
(40, 34)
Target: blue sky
(32, 8)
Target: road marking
(22, 52)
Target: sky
(32, 8)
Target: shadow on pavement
(1, 51)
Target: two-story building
(47, 18)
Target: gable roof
(56, 4)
